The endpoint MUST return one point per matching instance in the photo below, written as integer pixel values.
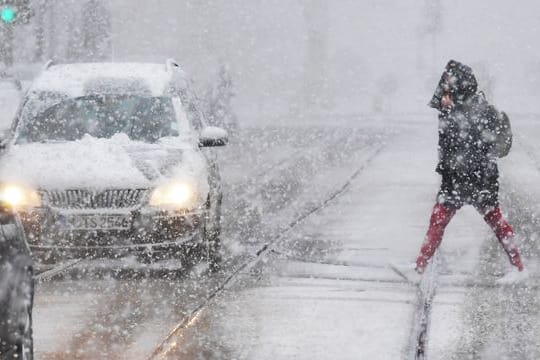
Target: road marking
(48, 275)
(166, 346)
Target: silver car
(110, 159)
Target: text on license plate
(96, 222)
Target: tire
(16, 317)
(16, 291)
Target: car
(16, 288)
(113, 160)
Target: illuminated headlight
(180, 195)
(18, 196)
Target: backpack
(503, 136)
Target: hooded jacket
(467, 131)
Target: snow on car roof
(73, 79)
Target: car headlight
(178, 195)
(19, 196)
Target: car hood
(101, 163)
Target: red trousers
(440, 218)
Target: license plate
(95, 222)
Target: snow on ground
(326, 290)
(486, 321)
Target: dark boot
(440, 218)
(505, 234)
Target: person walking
(472, 135)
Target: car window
(142, 118)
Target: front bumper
(149, 231)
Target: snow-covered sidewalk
(472, 316)
(327, 290)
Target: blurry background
(300, 59)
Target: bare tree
(430, 32)
(96, 31)
(6, 44)
(39, 30)
(75, 47)
(218, 102)
(51, 31)
(316, 82)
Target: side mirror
(213, 136)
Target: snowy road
(100, 314)
(322, 286)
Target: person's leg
(505, 235)
(487, 203)
(440, 218)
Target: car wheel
(16, 294)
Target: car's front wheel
(16, 291)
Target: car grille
(89, 199)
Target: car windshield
(142, 118)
